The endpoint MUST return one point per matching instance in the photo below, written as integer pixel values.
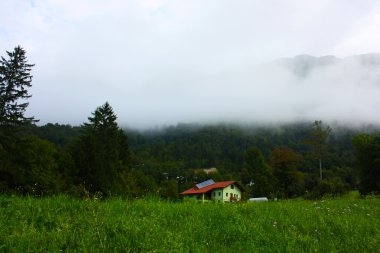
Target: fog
(167, 62)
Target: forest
(101, 158)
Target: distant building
(227, 191)
(210, 170)
(206, 170)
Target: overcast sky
(162, 62)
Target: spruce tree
(101, 154)
(15, 79)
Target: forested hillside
(169, 160)
(288, 150)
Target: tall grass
(62, 223)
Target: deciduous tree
(318, 143)
(259, 173)
(286, 163)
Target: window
(226, 194)
(232, 186)
(214, 194)
(219, 193)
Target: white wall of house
(224, 195)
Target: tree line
(99, 157)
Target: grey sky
(163, 62)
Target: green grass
(57, 224)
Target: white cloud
(165, 61)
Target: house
(210, 171)
(206, 170)
(227, 191)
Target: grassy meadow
(64, 224)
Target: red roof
(217, 185)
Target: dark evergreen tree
(15, 79)
(101, 154)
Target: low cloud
(165, 62)
(303, 88)
(298, 89)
